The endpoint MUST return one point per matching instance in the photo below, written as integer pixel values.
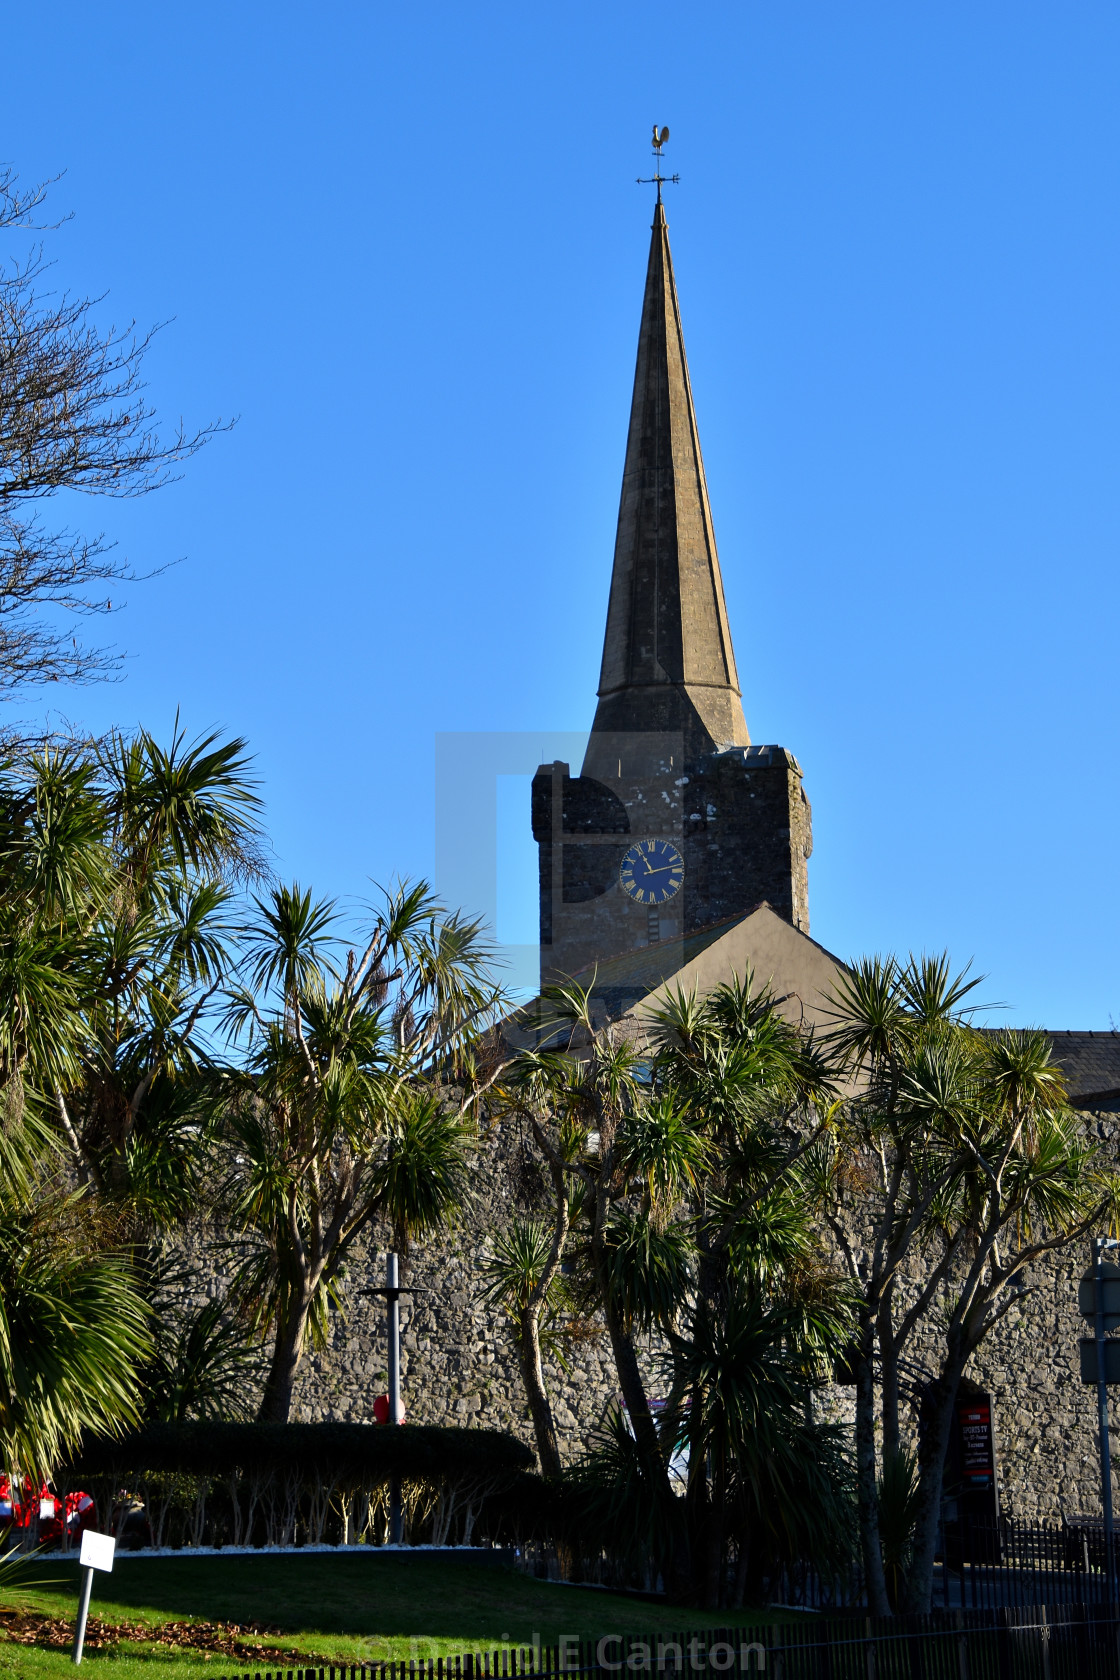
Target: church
(676, 856)
(679, 853)
(679, 841)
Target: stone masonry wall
(458, 1357)
(459, 1364)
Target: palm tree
(341, 1114)
(1030, 1183)
(523, 1276)
(111, 936)
(580, 1095)
(679, 1167)
(879, 1171)
(961, 1156)
(115, 873)
(74, 1332)
(739, 1407)
(206, 1364)
(182, 831)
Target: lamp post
(1099, 1246)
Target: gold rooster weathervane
(659, 138)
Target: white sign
(97, 1550)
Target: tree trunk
(867, 1491)
(276, 1401)
(540, 1410)
(714, 1536)
(742, 1564)
(932, 1448)
(888, 1368)
(675, 1565)
(697, 1503)
(634, 1393)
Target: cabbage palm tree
(111, 939)
(738, 1407)
(764, 1317)
(676, 1185)
(339, 1114)
(115, 872)
(206, 1364)
(879, 1172)
(523, 1276)
(960, 1152)
(1030, 1183)
(74, 1331)
(581, 1096)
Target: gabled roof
(630, 988)
(801, 974)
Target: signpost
(970, 1509)
(97, 1553)
(1090, 1358)
(1098, 1297)
(977, 1449)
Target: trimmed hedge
(332, 1452)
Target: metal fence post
(962, 1647)
(1099, 1245)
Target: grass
(344, 1608)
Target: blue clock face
(651, 871)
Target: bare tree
(73, 416)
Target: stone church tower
(676, 822)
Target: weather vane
(659, 138)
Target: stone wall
(1045, 1417)
(458, 1357)
(1047, 1458)
(459, 1364)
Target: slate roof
(1091, 1064)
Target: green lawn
(344, 1608)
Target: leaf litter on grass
(249, 1640)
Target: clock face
(651, 871)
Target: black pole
(1099, 1244)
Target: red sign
(974, 1419)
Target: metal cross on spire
(659, 139)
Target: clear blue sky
(404, 245)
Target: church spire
(668, 664)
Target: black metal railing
(1044, 1642)
(990, 1566)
